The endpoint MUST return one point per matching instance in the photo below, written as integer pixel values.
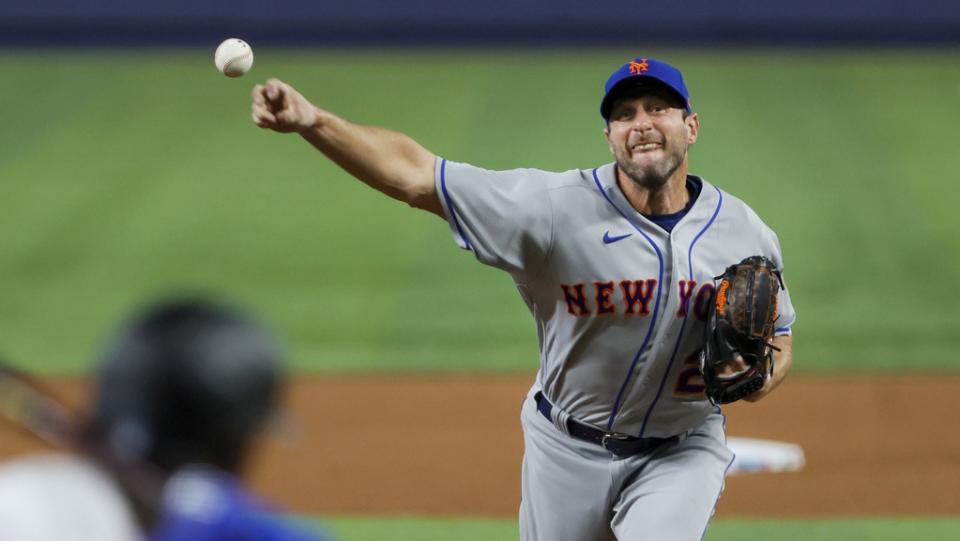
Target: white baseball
(233, 57)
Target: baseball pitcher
(630, 269)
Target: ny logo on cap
(637, 68)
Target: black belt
(622, 445)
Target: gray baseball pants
(574, 490)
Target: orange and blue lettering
(604, 292)
(690, 381)
(701, 306)
(576, 300)
(686, 291)
(637, 293)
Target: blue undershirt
(668, 221)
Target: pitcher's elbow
(428, 201)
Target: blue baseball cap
(640, 72)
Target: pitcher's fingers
(263, 118)
(257, 95)
(263, 110)
(274, 89)
(287, 116)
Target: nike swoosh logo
(607, 239)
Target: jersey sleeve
(504, 217)
(786, 315)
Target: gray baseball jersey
(619, 304)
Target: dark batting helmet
(186, 382)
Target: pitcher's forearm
(388, 161)
(782, 361)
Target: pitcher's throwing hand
(279, 107)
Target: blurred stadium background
(129, 168)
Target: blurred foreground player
(178, 401)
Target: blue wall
(695, 22)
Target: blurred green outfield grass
(128, 176)
(845, 529)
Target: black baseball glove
(741, 324)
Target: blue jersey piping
(453, 212)
(656, 306)
(686, 314)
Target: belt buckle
(616, 436)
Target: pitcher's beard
(652, 177)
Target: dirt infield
(452, 446)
